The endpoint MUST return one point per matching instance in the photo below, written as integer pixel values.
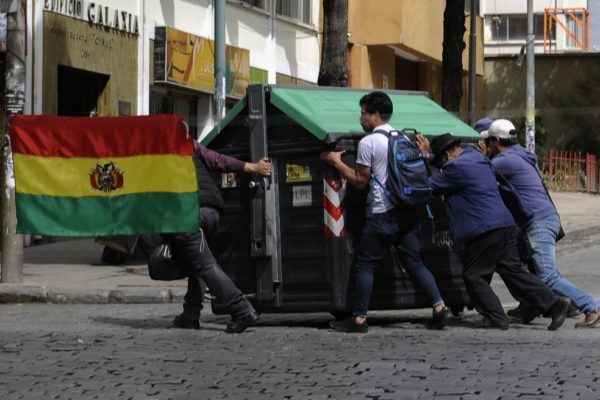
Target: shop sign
(95, 13)
(188, 60)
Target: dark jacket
(471, 196)
(207, 160)
(519, 166)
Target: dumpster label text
(302, 196)
(334, 191)
(297, 173)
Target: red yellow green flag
(103, 176)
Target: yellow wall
(376, 27)
(413, 26)
(77, 44)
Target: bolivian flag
(103, 176)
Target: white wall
(500, 7)
(520, 6)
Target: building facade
(112, 57)
(398, 45)
(559, 26)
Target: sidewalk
(71, 272)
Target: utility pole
(530, 112)
(14, 99)
(473, 61)
(220, 82)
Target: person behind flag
(193, 247)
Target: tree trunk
(454, 44)
(334, 64)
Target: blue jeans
(408, 251)
(542, 236)
(379, 233)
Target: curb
(17, 293)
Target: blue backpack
(408, 181)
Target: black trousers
(496, 251)
(193, 250)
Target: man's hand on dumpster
(423, 143)
(333, 158)
(261, 167)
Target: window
(576, 30)
(514, 27)
(255, 3)
(295, 9)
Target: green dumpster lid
(330, 111)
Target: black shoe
(183, 323)
(439, 319)
(573, 311)
(558, 313)
(486, 323)
(527, 314)
(240, 324)
(515, 312)
(349, 326)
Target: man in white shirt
(386, 224)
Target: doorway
(79, 91)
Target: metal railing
(571, 171)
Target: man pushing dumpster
(481, 224)
(193, 247)
(387, 224)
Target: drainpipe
(530, 112)
(220, 82)
(473, 62)
(14, 97)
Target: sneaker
(240, 324)
(348, 325)
(591, 320)
(558, 313)
(439, 319)
(183, 323)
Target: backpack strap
(384, 133)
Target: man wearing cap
(519, 166)
(481, 224)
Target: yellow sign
(297, 173)
(190, 62)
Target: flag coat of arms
(103, 176)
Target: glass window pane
(255, 3)
(517, 28)
(306, 11)
(499, 27)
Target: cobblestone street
(124, 351)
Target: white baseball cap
(502, 129)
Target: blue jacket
(471, 196)
(519, 167)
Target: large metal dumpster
(288, 241)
